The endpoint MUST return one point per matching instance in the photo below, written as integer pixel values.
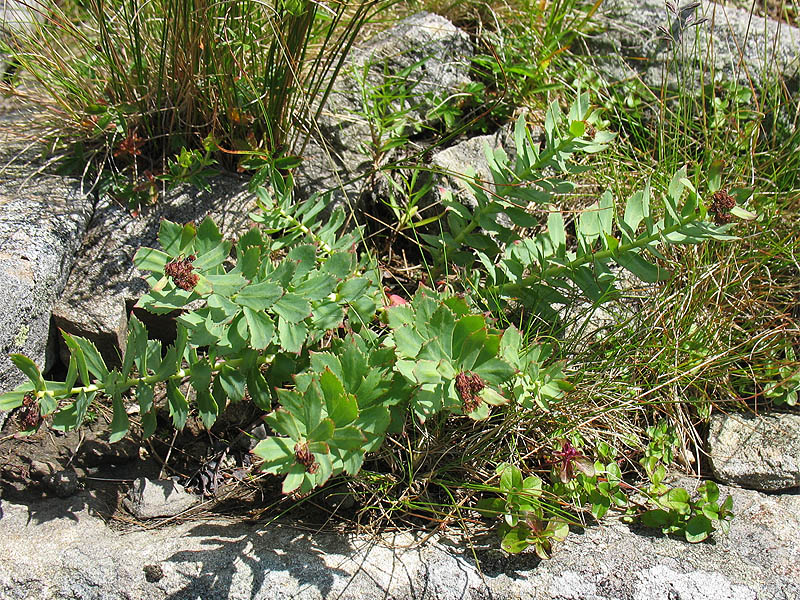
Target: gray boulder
(60, 549)
(758, 452)
(42, 221)
(437, 55)
(104, 284)
(732, 44)
(148, 499)
(452, 163)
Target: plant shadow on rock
(232, 546)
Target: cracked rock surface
(61, 549)
(760, 452)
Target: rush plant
(138, 83)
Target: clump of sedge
(469, 386)
(721, 205)
(180, 270)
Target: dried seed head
(305, 457)
(130, 146)
(180, 270)
(469, 386)
(721, 205)
(28, 416)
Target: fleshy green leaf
(277, 454)
(120, 422)
(341, 406)
(94, 362)
(259, 296)
(261, 327)
(213, 258)
(150, 259)
(27, 366)
(169, 236)
(292, 335)
(200, 377)
(178, 406)
(292, 308)
(698, 528)
(232, 381)
(644, 270)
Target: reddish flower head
(305, 458)
(567, 459)
(721, 205)
(180, 270)
(469, 386)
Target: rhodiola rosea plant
(292, 318)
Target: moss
(22, 336)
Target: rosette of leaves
(783, 379)
(449, 355)
(257, 301)
(337, 412)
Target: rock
(435, 53)
(758, 452)
(104, 284)
(337, 159)
(61, 483)
(40, 469)
(42, 221)
(148, 499)
(253, 437)
(58, 550)
(453, 163)
(744, 48)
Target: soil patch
(216, 465)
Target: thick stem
(147, 379)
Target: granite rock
(105, 284)
(59, 549)
(148, 499)
(42, 220)
(761, 452)
(453, 163)
(732, 44)
(337, 158)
